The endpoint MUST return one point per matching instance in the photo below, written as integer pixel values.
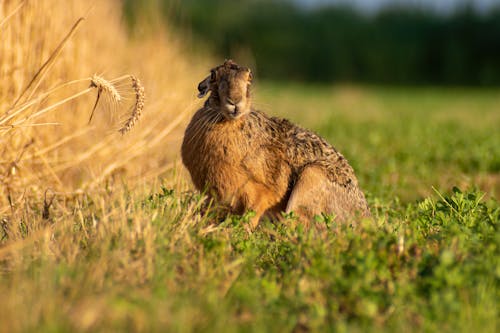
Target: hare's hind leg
(314, 193)
(309, 194)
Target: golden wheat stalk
(37, 79)
(11, 113)
(8, 17)
(49, 108)
(103, 86)
(137, 107)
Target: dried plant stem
(102, 85)
(6, 18)
(46, 66)
(60, 142)
(51, 170)
(168, 129)
(4, 128)
(90, 153)
(7, 116)
(53, 106)
(127, 76)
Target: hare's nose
(235, 111)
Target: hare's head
(229, 86)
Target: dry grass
(46, 138)
(58, 156)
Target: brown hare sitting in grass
(250, 161)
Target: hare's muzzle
(235, 112)
(232, 110)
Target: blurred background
(423, 42)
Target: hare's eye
(212, 75)
(230, 101)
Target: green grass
(158, 258)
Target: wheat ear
(103, 86)
(138, 105)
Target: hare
(251, 161)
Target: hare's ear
(204, 87)
(249, 75)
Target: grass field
(154, 257)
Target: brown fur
(251, 161)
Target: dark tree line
(395, 46)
